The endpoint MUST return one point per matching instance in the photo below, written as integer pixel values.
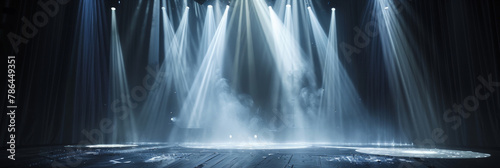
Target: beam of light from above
(120, 95)
(138, 27)
(154, 38)
(89, 78)
(172, 77)
(291, 69)
(209, 27)
(288, 22)
(340, 107)
(218, 11)
(244, 56)
(300, 23)
(211, 106)
(178, 54)
(320, 37)
(407, 76)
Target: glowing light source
(163, 8)
(386, 8)
(255, 136)
(230, 136)
(113, 8)
(227, 6)
(308, 7)
(209, 6)
(333, 9)
(187, 7)
(288, 5)
(270, 7)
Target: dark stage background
(62, 90)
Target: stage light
(255, 136)
(227, 6)
(163, 8)
(333, 9)
(187, 7)
(386, 8)
(230, 136)
(288, 5)
(209, 6)
(270, 7)
(308, 7)
(113, 8)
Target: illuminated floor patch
(164, 155)
(246, 146)
(102, 146)
(423, 153)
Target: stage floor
(162, 155)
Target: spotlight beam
(154, 40)
(407, 75)
(208, 33)
(178, 52)
(120, 95)
(155, 108)
(291, 67)
(339, 98)
(211, 106)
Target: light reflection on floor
(423, 153)
(252, 155)
(245, 145)
(103, 146)
(395, 150)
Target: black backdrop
(458, 40)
